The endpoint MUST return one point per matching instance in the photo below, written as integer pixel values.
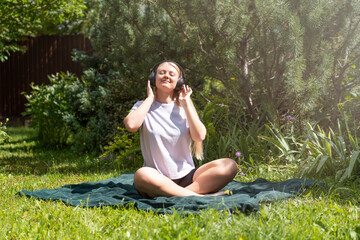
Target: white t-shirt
(165, 140)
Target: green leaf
(350, 168)
(322, 162)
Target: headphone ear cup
(179, 84)
(152, 78)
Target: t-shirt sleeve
(136, 105)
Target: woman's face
(166, 77)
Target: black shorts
(186, 180)
(183, 182)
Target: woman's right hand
(150, 92)
(135, 118)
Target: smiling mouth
(165, 81)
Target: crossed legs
(209, 178)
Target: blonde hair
(176, 67)
(196, 147)
(197, 150)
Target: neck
(164, 97)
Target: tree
(246, 45)
(331, 51)
(278, 57)
(22, 18)
(287, 57)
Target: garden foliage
(330, 153)
(3, 135)
(71, 111)
(126, 149)
(22, 18)
(275, 58)
(250, 62)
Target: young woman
(168, 121)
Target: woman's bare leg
(209, 178)
(151, 182)
(213, 176)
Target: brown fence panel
(45, 55)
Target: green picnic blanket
(120, 191)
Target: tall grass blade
(339, 151)
(353, 142)
(304, 146)
(350, 168)
(276, 143)
(322, 162)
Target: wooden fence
(45, 55)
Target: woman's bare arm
(135, 118)
(197, 128)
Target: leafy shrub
(3, 135)
(229, 131)
(126, 149)
(331, 154)
(92, 123)
(72, 111)
(242, 141)
(50, 107)
(285, 143)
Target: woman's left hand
(197, 128)
(185, 93)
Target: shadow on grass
(24, 155)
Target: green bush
(3, 135)
(50, 107)
(125, 148)
(229, 130)
(331, 154)
(72, 111)
(284, 143)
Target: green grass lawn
(24, 164)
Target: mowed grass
(332, 213)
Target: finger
(189, 90)
(183, 89)
(149, 86)
(149, 89)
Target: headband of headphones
(180, 82)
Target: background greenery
(276, 80)
(276, 83)
(22, 18)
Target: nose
(166, 76)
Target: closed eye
(171, 73)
